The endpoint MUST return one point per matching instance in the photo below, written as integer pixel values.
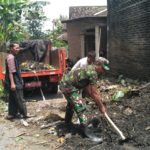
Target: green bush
(2, 105)
(1, 89)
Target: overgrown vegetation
(22, 20)
(34, 19)
(57, 30)
(10, 22)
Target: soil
(131, 114)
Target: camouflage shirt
(80, 78)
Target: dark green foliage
(35, 18)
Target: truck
(41, 66)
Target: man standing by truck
(13, 84)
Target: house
(129, 38)
(86, 31)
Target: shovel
(123, 138)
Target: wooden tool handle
(114, 126)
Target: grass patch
(2, 106)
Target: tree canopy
(10, 21)
(23, 20)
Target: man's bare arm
(92, 91)
(12, 83)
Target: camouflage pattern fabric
(79, 78)
(71, 85)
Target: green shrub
(2, 105)
(1, 89)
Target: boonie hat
(105, 65)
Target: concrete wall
(129, 38)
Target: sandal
(9, 117)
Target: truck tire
(54, 89)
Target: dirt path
(15, 136)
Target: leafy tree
(57, 30)
(21, 20)
(10, 21)
(35, 18)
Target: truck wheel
(54, 89)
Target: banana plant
(10, 21)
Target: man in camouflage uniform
(72, 83)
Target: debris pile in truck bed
(33, 65)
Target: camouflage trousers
(75, 104)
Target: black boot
(68, 115)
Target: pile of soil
(131, 114)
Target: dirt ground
(17, 135)
(131, 113)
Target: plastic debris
(25, 123)
(61, 140)
(118, 95)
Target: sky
(61, 7)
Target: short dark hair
(91, 54)
(12, 44)
(98, 63)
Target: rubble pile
(127, 103)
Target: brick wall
(129, 37)
(76, 28)
(74, 41)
